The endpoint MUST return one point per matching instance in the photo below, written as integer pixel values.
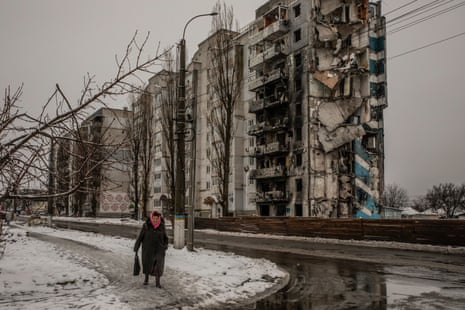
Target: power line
(423, 19)
(420, 13)
(428, 45)
(419, 9)
(401, 7)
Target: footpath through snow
(45, 268)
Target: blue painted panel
(377, 66)
(368, 202)
(360, 214)
(362, 173)
(377, 44)
(359, 150)
(362, 197)
(377, 89)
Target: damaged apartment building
(308, 123)
(318, 89)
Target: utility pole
(51, 182)
(190, 222)
(180, 177)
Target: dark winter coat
(154, 245)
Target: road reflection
(330, 284)
(342, 284)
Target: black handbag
(136, 265)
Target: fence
(436, 232)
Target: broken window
(281, 211)
(369, 142)
(298, 60)
(296, 10)
(377, 66)
(298, 109)
(297, 35)
(298, 160)
(251, 161)
(251, 140)
(298, 134)
(298, 84)
(265, 210)
(377, 89)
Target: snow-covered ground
(92, 271)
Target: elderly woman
(154, 245)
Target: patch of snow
(39, 275)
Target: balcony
(274, 147)
(269, 54)
(272, 196)
(277, 123)
(256, 129)
(259, 150)
(268, 77)
(271, 32)
(272, 125)
(273, 172)
(272, 101)
(256, 105)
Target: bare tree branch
(225, 78)
(26, 139)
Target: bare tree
(146, 122)
(420, 204)
(447, 197)
(168, 112)
(26, 139)
(394, 196)
(141, 138)
(225, 78)
(135, 141)
(156, 103)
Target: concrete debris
(338, 46)
(333, 114)
(339, 137)
(328, 78)
(328, 6)
(326, 33)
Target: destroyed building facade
(318, 84)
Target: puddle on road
(338, 284)
(422, 288)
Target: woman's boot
(146, 281)
(157, 284)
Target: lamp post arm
(192, 18)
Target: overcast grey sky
(59, 41)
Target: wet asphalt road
(346, 276)
(335, 276)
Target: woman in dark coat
(154, 245)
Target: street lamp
(180, 181)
